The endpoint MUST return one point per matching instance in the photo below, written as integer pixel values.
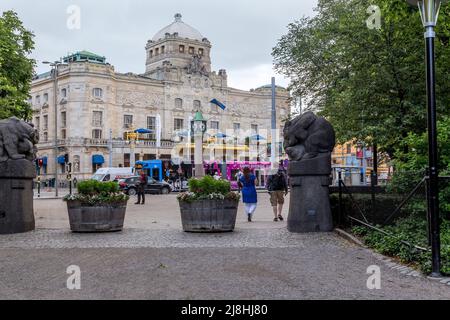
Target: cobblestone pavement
(155, 260)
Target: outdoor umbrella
(256, 137)
(143, 131)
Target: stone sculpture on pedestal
(18, 141)
(309, 141)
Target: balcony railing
(87, 142)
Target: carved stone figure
(308, 135)
(17, 140)
(309, 141)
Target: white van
(112, 174)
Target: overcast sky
(242, 32)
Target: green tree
(16, 68)
(370, 83)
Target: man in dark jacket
(278, 188)
(141, 188)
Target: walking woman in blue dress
(248, 183)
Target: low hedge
(376, 213)
(414, 230)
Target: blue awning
(61, 160)
(98, 159)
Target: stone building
(97, 106)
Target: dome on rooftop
(178, 26)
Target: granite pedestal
(16, 196)
(310, 203)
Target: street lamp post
(54, 72)
(198, 127)
(429, 12)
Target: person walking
(141, 188)
(248, 184)
(278, 188)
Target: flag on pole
(218, 103)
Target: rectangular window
(178, 124)
(98, 93)
(191, 50)
(151, 125)
(97, 118)
(45, 97)
(45, 122)
(200, 51)
(151, 53)
(178, 103)
(156, 51)
(38, 99)
(96, 134)
(181, 49)
(63, 119)
(197, 105)
(236, 127)
(127, 121)
(214, 125)
(64, 93)
(163, 49)
(254, 129)
(63, 134)
(45, 137)
(37, 123)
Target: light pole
(274, 146)
(429, 12)
(54, 72)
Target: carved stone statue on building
(196, 66)
(309, 141)
(18, 141)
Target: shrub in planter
(98, 207)
(209, 206)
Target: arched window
(178, 103)
(97, 93)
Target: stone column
(310, 204)
(16, 196)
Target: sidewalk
(153, 259)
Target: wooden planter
(209, 215)
(96, 219)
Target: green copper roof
(198, 116)
(84, 55)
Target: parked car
(129, 186)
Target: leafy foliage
(16, 69)
(93, 193)
(208, 188)
(411, 166)
(369, 83)
(414, 230)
